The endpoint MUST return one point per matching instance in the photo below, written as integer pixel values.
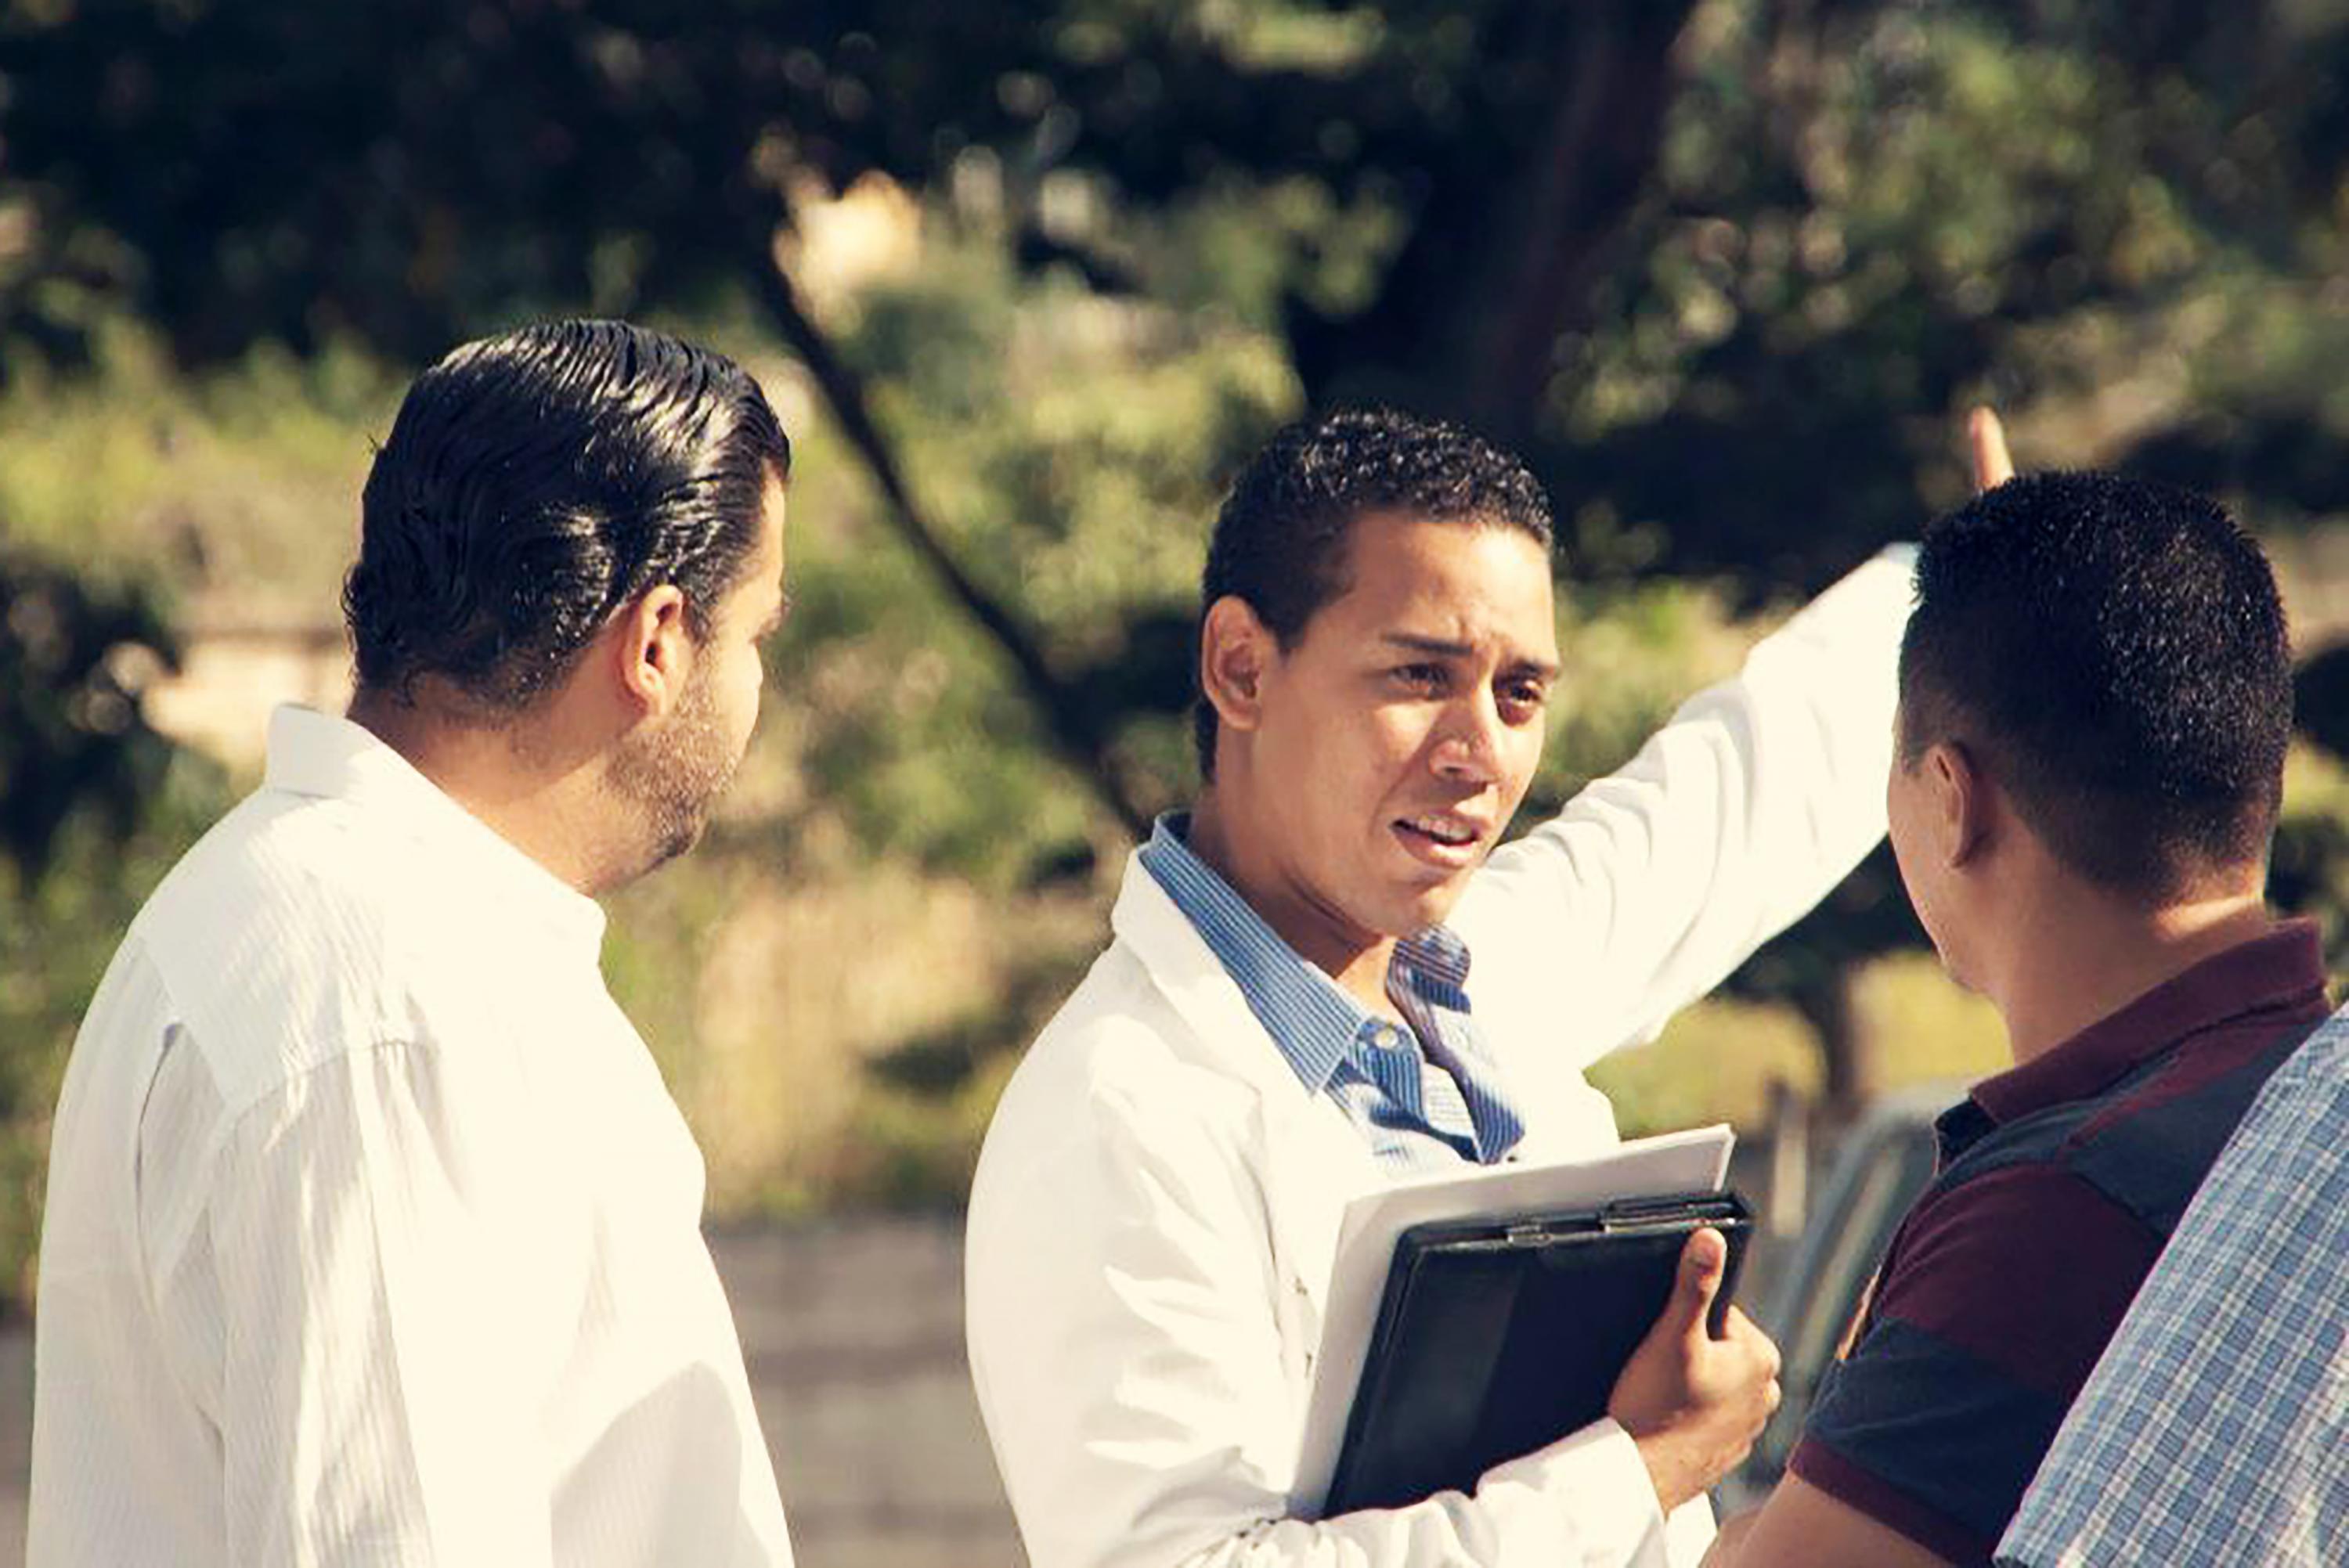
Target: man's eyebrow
(1439, 646)
(1445, 648)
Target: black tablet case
(1496, 1338)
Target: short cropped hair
(2115, 653)
(536, 482)
(1279, 542)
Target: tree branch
(1578, 193)
(1075, 735)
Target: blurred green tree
(1724, 269)
(73, 656)
(93, 805)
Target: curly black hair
(536, 482)
(2116, 651)
(1279, 542)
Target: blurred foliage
(1717, 1060)
(241, 483)
(2308, 872)
(1725, 270)
(1619, 233)
(94, 805)
(72, 658)
(1076, 450)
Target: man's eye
(1523, 698)
(1420, 677)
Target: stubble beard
(671, 777)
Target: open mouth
(1440, 834)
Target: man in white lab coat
(1288, 1016)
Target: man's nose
(1468, 742)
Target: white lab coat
(1154, 1212)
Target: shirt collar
(316, 755)
(1310, 1016)
(1435, 955)
(2281, 968)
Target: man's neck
(2079, 959)
(537, 799)
(1357, 960)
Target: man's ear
(1236, 649)
(651, 650)
(1965, 803)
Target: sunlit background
(1026, 281)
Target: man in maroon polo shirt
(2095, 697)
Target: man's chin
(1429, 904)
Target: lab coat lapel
(1313, 1161)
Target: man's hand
(1694, 1404)
(1987, 439)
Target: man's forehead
(1442, 579)
(1379, 539)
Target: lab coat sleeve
(1124, 1337)
(1761, 794)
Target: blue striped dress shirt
(1427, 1098)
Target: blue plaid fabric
(2216, 1429)
(1426, 1097)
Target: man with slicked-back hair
(372, 1235)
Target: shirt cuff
(1597, 1482)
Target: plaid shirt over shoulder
(2216, 1426)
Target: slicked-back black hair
(1280, 543)
(536, 482)
(2116, 652)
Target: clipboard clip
(1640, 1213)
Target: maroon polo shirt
(2060, 1181)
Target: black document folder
(1498, 1337)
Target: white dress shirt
(373, 1235)
(1154, 1212)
